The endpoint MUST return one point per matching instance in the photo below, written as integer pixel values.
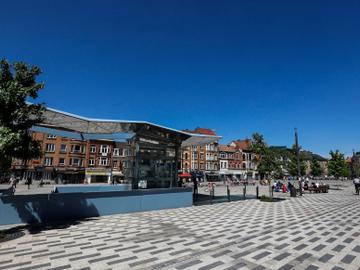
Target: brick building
(66, 160)
(236, 161)
(201, 159)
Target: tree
(337, 165)
(316, 169)
(292, 164)
(267, 161)
(17, 84)
(356, 170)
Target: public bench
(320, 189)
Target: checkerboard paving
(317, 231)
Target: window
(63, 148)
(61, 161)
(48, 161)
(194, 155)
(103, 161)
(116, 152)
(194, 147)
(76, 161)
(93, 148)
(91, 162)
(51, 136)
(76, 148)
(50, 147)
(104, 149)
(115, 163)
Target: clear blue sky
(234, 66)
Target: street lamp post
(298, 160)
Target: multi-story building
(201, 159)
(236, 163)
(105, 161)
(66, 160)
(62, 160)
(309, 157)
(248, 166)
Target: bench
(320, 189)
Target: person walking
(12, 185)
(356, 182)
(28, 182)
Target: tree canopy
(337, 165)
(267, 161)
(316, 169)
(292, 164)
(17, 85)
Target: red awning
(185, 175)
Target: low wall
(42, 208)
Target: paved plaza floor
(316, 231)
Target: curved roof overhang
(88, 128)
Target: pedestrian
(28, 182)
(196, 191)
(284, 187)
(356, 182)
(12, 184)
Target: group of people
(14, 181)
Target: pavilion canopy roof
(90, 128)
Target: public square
(316, 231)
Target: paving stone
(348, 259)
(311, 267)
(188, 264)
(282, 256)
(356, 249)
(286, 267)
(338, 248)
(261, 255)
(303, 257)
(325, 258)
(211, 266)
(319, 247)
(122, 260)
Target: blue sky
(234, 66)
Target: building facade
(201, 159)
(67, 160)
(236, 163)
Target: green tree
(316, 169)
(356, 170)
(292, 164)
(17, 84)
(267, 161)
(337, 165)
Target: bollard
(244, 192)
(228, 192)
(257, 192)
